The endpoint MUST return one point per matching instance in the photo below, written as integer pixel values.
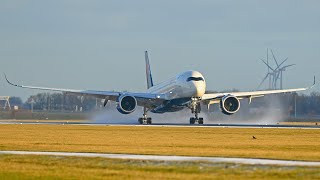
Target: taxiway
(249, 161)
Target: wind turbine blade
(278, 74)
(268, 59)
(288, 66)
(274, 58)
(267, 64)
(263, 80)
(283, 62)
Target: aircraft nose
(200, 89)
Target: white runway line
(249, 161)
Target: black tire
(192, 120)
(200, 121)
(149, 121)
(140, 120)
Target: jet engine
(229, 105)
(126, 104)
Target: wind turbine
(274, 74)
(269, 75)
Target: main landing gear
(195, 109)
(145, 119)
(194, 120)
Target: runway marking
(249, 161)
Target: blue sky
(100, 44)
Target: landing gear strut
(145, 119)
(196, 109)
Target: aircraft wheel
(192, 120)
(149, 121)
(140, 120)
(200, 121)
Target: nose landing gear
(195, 109)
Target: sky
(100, 44)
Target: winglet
(314, 82)
(5, 76)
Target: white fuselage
(184, 85)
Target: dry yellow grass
(296, 144)
(300, 123)
(50, 167)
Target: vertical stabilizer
(148, 71)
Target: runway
(172, 125)
(249, 161)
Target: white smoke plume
(270, 110)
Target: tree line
(56, 102)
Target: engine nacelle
(126, 104)
(229, 105)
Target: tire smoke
(266, 110)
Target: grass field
(296, 144)
(317, 123)
(50, 167)
(293, 144)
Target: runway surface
(171, 158)
(173, 125)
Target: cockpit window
(195, 79)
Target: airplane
(185, 90)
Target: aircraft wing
(146, 99)
(213, 98)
